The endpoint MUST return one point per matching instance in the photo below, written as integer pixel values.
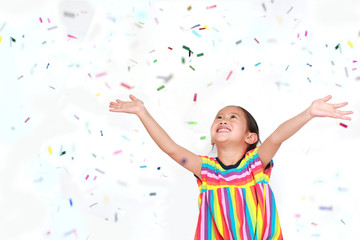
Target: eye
(233, 116)
(218, 117)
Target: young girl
(235, 201)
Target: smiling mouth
(223, 130)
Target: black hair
(251, 126)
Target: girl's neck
(230, 156)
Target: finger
(344, 112)
(339, 105)
(118, 101)
(327, 98)
(132, 97)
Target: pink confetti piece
(343, 125)
(195, 97)
(76, 117)
(99, 171)
(354, 61)
(125, 85)
(314, 224)
(256, 40)
(27, 119)
(107, 85)
(95, 178)
(75, 233)
(40, 20)
(117, 152)
(71, 36)
(229, 75)
(100, 74)
(89, 75)
(298, 36)
(48, 20)
(87, 176)
(354, 69)
(20, 77)
(210, 7)
(305, 33)
(51, 28)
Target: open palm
(320, 108)
(134, 106)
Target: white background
(58, 141)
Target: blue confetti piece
(257, 64)
(197, 34)
(71, 203)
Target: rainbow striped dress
(236, 202)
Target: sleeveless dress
(236, 202)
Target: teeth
(223, 130)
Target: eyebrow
(229, 113)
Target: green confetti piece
(337, 46)
(203, 138)
(141, 23)
(64, 152)
(159, 88)
(155, 60)
(185, 47)
(13, 39)
(192, 67)
(183, 60)
(200, 54)
(192, 123)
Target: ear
(251, 138)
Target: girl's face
(229, 126)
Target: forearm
(290, 127)
(157, 133)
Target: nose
(223, 121)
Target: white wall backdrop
(70, 169)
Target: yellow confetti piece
(207, 27)
(280, 20)
(98, 94)
(106, 199)
(0, 38)
(350, 44)
(50, 151)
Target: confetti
(12, 39)
(117, 152)
(69, 14)
(243, 68)
(125, 85)
(229, 75)
(203, 138)
(76, 117)
(256, 40)
(107, 85)
(152, 194)
(51, 28)
(62, 153)
(158, 168)
(309, 64)
(191, 67)
(189, 8)
(47, 66)
(20, 77)
(71, 203)
(309, 80)
(27, 119)
(289, 10)
(183, 60)
(305, 33)
(93, 204)
(100, 74)
(94, 178)
(87, 176)
(202, 28)
(350, 44)
(40, 20)
(325, 208)
(71, 36)
(342, 221)
(195, 97)
(50, 150)
(1, 38)
(257, 64)
(263, 5)
(99, 171)
(210, 7)
(161, 87)
(155, 60)
(170, 48)
(343, 125)
(287, 67)
(192, 123)
(337, 46)
(238, 42)
(200, 54)
(198, 25)
(346, 72)
(196, 33)
(144, 166)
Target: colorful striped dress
(236, 202)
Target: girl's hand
(320, 108)
(135, 106)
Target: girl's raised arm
(318, 108)
(184, 157)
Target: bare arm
(319, 108)
(184, 157)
